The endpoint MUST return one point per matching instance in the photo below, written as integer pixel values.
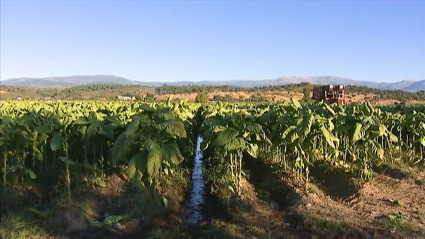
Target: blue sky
(214, 40)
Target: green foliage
(150, 206)
(108, 221)
(396, 222)
(202, 96)
(151, 141)
(353, 138)
(51, 144)
(146, 93)
(47, 142)
(306, 95)
(324, 224)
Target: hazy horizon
(166, 41)
(197, 80)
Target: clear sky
(214, 40)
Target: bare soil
(274, 96)
(273, 203)
(141, 211)
(332, 206)
(280, 96)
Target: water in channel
(193, 208)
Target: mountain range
(406, 85)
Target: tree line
(76, 92)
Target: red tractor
(330, 94)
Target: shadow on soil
(391, 171)
(335, 183)
(269, 185)
(115, 210)
(213, 208)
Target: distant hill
(407, 85)
(415, 86)
(68, 80)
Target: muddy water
(193, 208)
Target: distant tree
(258, 97)
(202, 96)
(306, 95)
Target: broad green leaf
(97, 224)
(43, 129)
(173, 128)
(382, 130)
(225, 137)
(112, 219)
(81, 130)
(141, 162)
(204, 145)
(57, 142)
(358, 133)
(329, 109)
(122, 147)
(133, 126)
(394, 138)
(287, 131)
(92, 130)
(329, 137)
(294, 136)
(81, 121)
(331, 125)
(376, 148)
(154, 157)
(231, 189)
(171, 153)
(305, 126)
(235, 143)
(164, 201)
(31, 173)
(344, 127)
(219, 128)
(147, 108)
(86, 208)
(254, 128)
(253, 150)
(107, 130)
(65, 160)
(137, 180)
(295, 103)
(131, 169)
(422, 140)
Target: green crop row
(44, 140)
(353, 138)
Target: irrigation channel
(193, 210)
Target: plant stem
(68, 178)
(240, 174)
(4, 166)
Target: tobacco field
(55, 154)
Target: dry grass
(325, 224)
(274, 96)
(14, 226)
